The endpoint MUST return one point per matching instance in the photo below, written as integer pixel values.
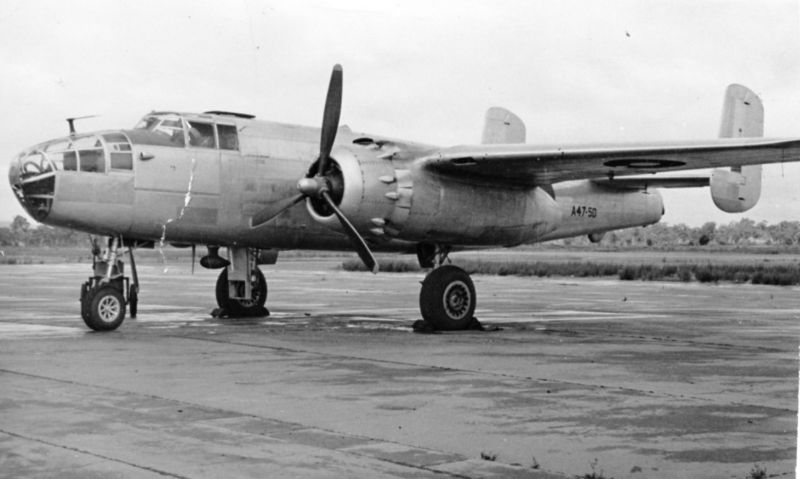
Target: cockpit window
(148, 123)
(228, 139)
(178, 130)
(169, 125)
(201, 134)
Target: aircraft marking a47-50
(228, 180)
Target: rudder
(502, 126)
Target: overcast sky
(574, 71)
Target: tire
(133, 301)
(447, 299)
(86, 300)
(106, 309)
(237, 307)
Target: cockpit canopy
(169, 125)
(180, 131)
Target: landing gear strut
(241, 287)
(235, 307)
(103, 295)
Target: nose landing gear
(107, 293)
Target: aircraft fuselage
(199, 178)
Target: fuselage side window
(228, 139)
(91, 156)
(92, 160)
(201, 135)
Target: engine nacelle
(366, 193)
(592, 209)
(392, 200)
(450, 211)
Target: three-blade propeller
(319, 186)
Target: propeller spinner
(320, 185)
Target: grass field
(737, 266)
(756, 265)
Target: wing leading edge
(531, 165)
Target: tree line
(21, 233)
(744, 232)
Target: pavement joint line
(145, 395)
(92, 454)
(665, 339)
(295, 427)
(643, 392)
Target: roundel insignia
(643, 163)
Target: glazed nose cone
(13, 174)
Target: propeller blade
(358, 242)
(274, 209)
(330, 119)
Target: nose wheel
(108, 292)
(104, 308)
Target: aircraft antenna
(71, 122)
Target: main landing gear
(108, 292)
(232, 298)
(447, 297)
(241, 287)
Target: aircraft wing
(528, 165)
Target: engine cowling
(364, 188)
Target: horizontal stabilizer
(641, 183)
(502, 126)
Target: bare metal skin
(222, 179)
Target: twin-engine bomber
(224, 179)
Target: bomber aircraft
(224, 179)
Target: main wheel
(447, 298)
(86, 300)
(241, 307)
(133, 300)
(106, 308)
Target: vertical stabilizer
(738, 189)
(502, 126)
(742, 114)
